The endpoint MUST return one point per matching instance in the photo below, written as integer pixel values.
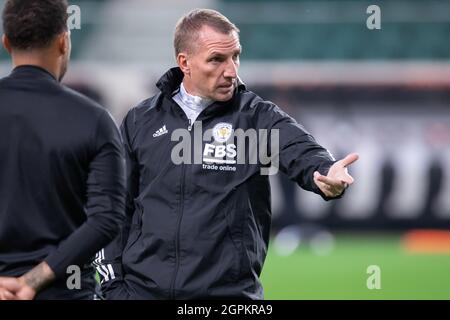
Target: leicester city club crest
(222, 132)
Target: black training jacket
(200, 230)
(62, 175)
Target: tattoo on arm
(40, 276)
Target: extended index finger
(349, 159)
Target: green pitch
(342, 274)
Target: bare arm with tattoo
(26, 286)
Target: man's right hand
(15, 289)
(26, 286)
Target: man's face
(212, 66)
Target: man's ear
(183, 63)
(64, 42)
(6, 44)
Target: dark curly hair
(33, 24)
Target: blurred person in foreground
(62, 175)
(200, 228)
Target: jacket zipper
(180, 216)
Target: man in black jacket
(62, 175)
(198, 204)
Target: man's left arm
(302, 158)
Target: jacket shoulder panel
(138, 116)
(250, 101)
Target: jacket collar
(171, 80)
(32, 71)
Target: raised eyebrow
(219, 54)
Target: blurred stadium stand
(332, 30)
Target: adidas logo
(160, 131)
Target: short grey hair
(188, 27)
